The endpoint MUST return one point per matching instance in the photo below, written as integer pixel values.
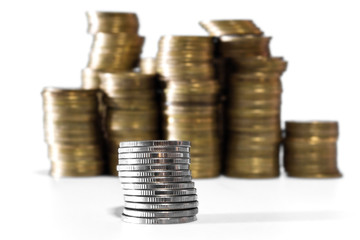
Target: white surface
(43, 43)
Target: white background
(44, 43)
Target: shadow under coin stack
(156, 182)
(191, 99)
(131, 110)
(72, 132)
(116, 45)
(253, 99)
(310, 149)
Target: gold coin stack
(116, 45)
(253, 98)
(191, 99)
(310, 149)
(72, 132)
(132, 110)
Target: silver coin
(160, 191)
(179, 185)
(175, 167)
(160, 198)
(154, 149)
(154, 143)
(124, 161)
(162, 206)
(160, 214)
(129, 219)
(154, 155)
(155, 179)
(154, 173)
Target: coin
(154, 149)
(230, 27)
(164, 185)
(153, 167)
(154, 155)
(162, 206)
(129, 219)
(160, 214)
(155, 179)
(154, 143)
(146, 161)
(154, 173)
(160, 191)
(160, 198)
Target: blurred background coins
(185, 65)
(230, 27)
(112, 22)
(72, 132)
(116, 45)
(252, 94)
(310, 149)
(131, 110)
(157, 188)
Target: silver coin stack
(156, 182)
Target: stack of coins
(131, 110)
(116, 45)
(156, 182)
(148, 65)
(252, 98)
(191, 98)
(310, 149)
(72, 132)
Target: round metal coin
(160, 199)
(160, 214)
(154, 155)
(154, 149)
(175, 167)
(184, 185)
(129, 219)
(154, 143)
(160, 191)
(154, 173)
(155, 179)
(145, 161)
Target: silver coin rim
(149, 186)
(162, 206)
(154, 143)
(160, 214)
(129, 219)
(161, 198)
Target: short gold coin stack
(72, 132)
(310, 149)
(252, 99)
(116, 45)
(191, 99)
(132, 110)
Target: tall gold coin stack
(191, 99)
(310, 149)
(132, 110)
(116, 45)
(72, 132)
(253, 98)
